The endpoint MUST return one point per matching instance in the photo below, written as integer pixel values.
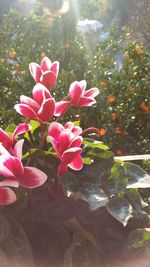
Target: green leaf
(74, 185)
(76, 123)
(138, 204)
(137, 177)
(135, 197)
(117, 181)
(34, 124)
(100, 154)
(137, 240)
(120, 209)
(95, 144)
(35, 152)
(10, 129)
(94, 195)
(96, 172)
(87, 161)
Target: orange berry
(119, 152)
(111, 98)
(138, 50)
(144, 107)
(102, 132)
(118, 130)
(17, 72)
(103, 84)
(114, 116)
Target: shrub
(118, 66)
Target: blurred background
(106, 42)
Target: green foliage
(111, 184)
(118, 66)
(125, 89)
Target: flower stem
(90, 130)
(30, 137)
(43, 137)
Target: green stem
(43, 136)
(30, 137)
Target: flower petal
(14, 165)
(40, 93)
(3, 169)
(46, 64)
(62, 169)
(55, 67)
(35, 71)
(3, 150)
(86, 102)
(77, 163)
(92, 92)
(29, 102)
(48, 79)
(70, 154)
(60, 107)
(46, 111)
(54, 144)
(5, 139)
(83, 85)
(77, 130)
(18, 149)
(32, 177)
(7, 196)
(75, 92)
(55, 129)
(9, 182)
(21, 128)
(65, 138)
(25, 110)
(77, 141)
(68, 125)
(10, 166)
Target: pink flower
(41, 107)
(46, 73)
(8, 141)
(66, 142)
(77, 97)
(7, 196)
(61, 107)
(16, 174)
(80, 97)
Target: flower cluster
(66, 139)
(11, 167)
